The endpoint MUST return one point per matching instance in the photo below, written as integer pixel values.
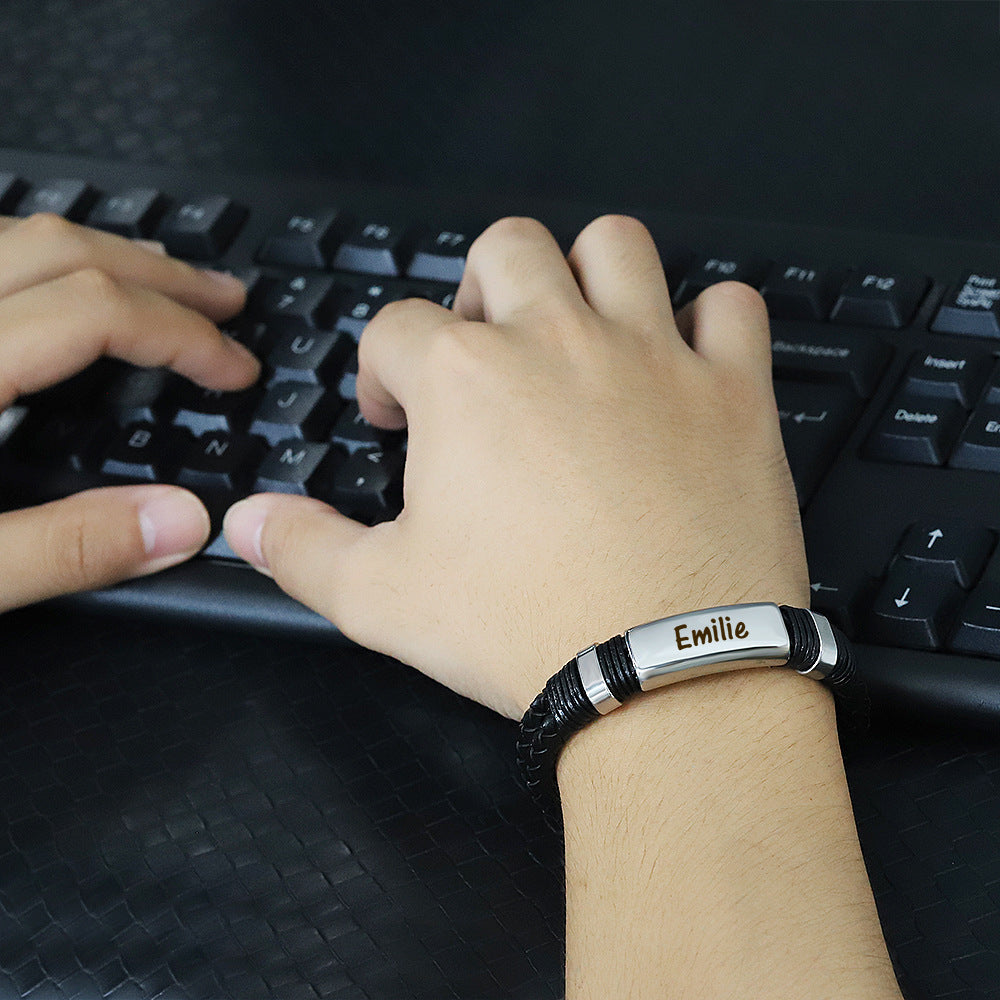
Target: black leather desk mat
(196, 815)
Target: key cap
(314, 357)
(953, 547)
(220, 462)
(12, 190)
(368, 486)
(913, 608)
(977, 628)
(358, 309)
(352, 431)
(806, 352)
(295, 410)
(979, 445)
(291, 466)
(815, 420)
(201, 228)
(957, 374)
(439, 255)
(971, 307)
(143, 451)
(839, 595)
(347, 387)
(797, 291)
(306, 240)
(66, 196)
(140, 395)
(211, 411)
(873, 297)
(134, 213)
(707, 270)
(300, 304)
(373, 248)
(916, 430)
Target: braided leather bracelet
(597, 680)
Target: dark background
(189, 814)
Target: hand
(579, 462)
(67, 296)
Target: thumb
(96, 538)
(320, 557)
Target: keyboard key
(806, 352)
(220, 462)
(957, 375)
(300, 304)
(368, 486)
(916, 430)
(140, 395)
(12, 189)
(971, 307)
(978, 625)
(358, 309)
(307, 239)
(839, 595)
(956, 548)
(134, 213)
(912, 608)
(373, 248)
(796, 291)
(211, 411)
(143, 451)
(440, 255)
(290, 467)
(352, 431)
(879, 298)
(295, 410)
(314, 357)
(201, 228)
(815, 420)
(67, 196)
(707, 270)
(979, 445)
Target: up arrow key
(901, 602)
(934, 536)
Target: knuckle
(617, 227)
(78, 554)
(46, 227)
(736, 294)
(511, 229)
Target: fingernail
(243, 526)
(174, 525)
(224, 278)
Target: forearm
(711, 850)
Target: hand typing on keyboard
(575, 462)
(67, 296)
(580, 461)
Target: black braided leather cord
(559, 711)
(849, 689)
(617, 667)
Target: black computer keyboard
(885, 366)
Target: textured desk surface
(196, 815)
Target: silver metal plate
(705, 642)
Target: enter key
(815, 421)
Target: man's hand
(578, 462)
(69, 295)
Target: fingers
(322, 558)
(52, 330)
(44, 247)
(515, 268)
(727, 325)
(618, 269)
(393, 349)
(96, 538)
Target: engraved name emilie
(720, 629)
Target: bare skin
(580, 461)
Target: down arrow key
(913, 608)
